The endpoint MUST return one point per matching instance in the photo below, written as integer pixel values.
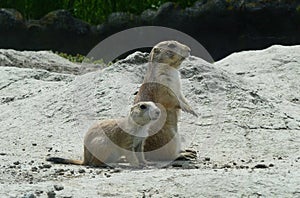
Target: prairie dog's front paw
(187, 155)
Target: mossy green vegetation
(78, 58)
(75, 59)
(298, 8)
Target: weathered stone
(63, 21)
(11, 20)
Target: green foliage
(298, 8)
(33, 9)
(92, 11)
(97, 11)
(78, 58)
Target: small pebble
(81, 171)
(206, 159)
(51, 194)
(29, 195)
(226, 166)
(16, 163)
(260, 166)
(34, 169)
(107, 175)
(98, 172)
(47, 165)
(58, 187)
(39, 192)
(59, 170)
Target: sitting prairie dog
(162, 85)
(108, 140)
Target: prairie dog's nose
(187, 52)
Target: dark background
(76, 26)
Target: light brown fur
(162, 85)
(108, 140)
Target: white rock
(248, 105)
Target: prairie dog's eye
(143, 107)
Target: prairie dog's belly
(166, 76)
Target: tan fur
(108, 140)
(162, 85)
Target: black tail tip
(57, 160)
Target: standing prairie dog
(162, 85)
(110, 139)
(162, 81)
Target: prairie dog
(108, 140)
(162, 82)
(162, 85)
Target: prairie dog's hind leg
(132, 158)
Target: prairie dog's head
(171, 53)
(144, 112)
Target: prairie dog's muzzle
(154, 113)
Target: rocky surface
(45, 60)
(221, 26)
(247, 135)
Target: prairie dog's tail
(58, 160)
